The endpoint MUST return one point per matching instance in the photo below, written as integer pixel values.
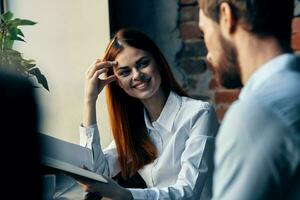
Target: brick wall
(201, 82)
(296, 35)
(191, 58)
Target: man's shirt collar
(265, 72)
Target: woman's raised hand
(93, 84)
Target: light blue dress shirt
(184, 137)
(258, 144)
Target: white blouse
(184, 137)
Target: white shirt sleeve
(105, 162)
(195, 176)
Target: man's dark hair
(263, 18)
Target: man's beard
(228, 69)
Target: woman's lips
(141, 85)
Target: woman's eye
(124, 73)
(144, 63)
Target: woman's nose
(136, 74)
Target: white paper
(66, 167)
(65, 151)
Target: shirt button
(88, 134)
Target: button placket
(152, 178)
(159, 136)
(159, 142)
(89, 134)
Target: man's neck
(253, 52)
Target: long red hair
(134, 146)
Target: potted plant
(12, 60)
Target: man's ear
(227, 21)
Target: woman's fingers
(110, 79)
(92, 65)
(100, 65)
(84, 187)
(106, 80)
(96, 78)
(98, 73)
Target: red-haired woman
(158, 131)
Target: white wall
(69, 36)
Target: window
(68, 37)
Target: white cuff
(86, 135)
(138, 193)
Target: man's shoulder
(250, 118)
(248, 127)
(280, 95)
(276, 97)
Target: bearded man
(258, 145)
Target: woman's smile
(142, 85)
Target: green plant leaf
(7, 16)
(22, 22)
(8, 43)
(1, 41)
(27, 22)
(40, 77)
(20, 32)
(13, 32)
(20, 39)
(19, 22)
(12, 52)
(11, 59)
(28, 65)
(30, 60)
